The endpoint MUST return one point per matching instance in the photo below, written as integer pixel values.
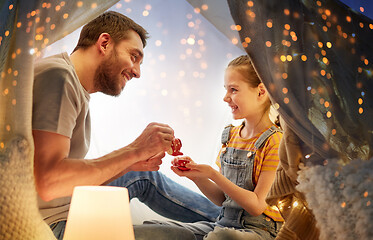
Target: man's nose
(136, 72)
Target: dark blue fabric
(326, 99)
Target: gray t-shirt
(60, 105)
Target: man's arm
(56, 175)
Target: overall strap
(225, 134)
(263, 138)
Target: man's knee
(142, 175)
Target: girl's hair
(244, 66)
(113, 23)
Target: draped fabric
(27, 27)
(315, 58)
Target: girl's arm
(199, 175)
(252, 201)
(213, 185)
(211, 190)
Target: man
(108, 54)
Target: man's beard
(106, 80)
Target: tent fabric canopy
(27, 27)
(315, 58)
(323, 85)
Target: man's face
(120, 65)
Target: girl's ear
(262, 91)
(103, 42)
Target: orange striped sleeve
(267, 158)
(270, 153)
(217, 161)
(272, 212)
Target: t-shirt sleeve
(217, 160)
(271, 159)
(55, 102)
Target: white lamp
(99, 213)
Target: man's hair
(115, 24)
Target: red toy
(180, 163)
(175, 147)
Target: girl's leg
(224, 233)
(154, 231)
(199, 229)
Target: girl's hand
(196, 171)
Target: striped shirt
(266, 158)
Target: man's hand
(152, 164)
(155, 138)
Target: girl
(248, 160)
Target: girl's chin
(236, 117)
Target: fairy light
(158, 43)
(235, 41)
(269, 23)
(191, 41)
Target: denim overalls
(237, 165)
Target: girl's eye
(233, 90)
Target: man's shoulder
(59, 63)
(57, 68)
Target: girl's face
(240, 96)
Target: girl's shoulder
(275, 138)
(229, 131)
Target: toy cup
(175, 147)
(180, 163)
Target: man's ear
(103, 42)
